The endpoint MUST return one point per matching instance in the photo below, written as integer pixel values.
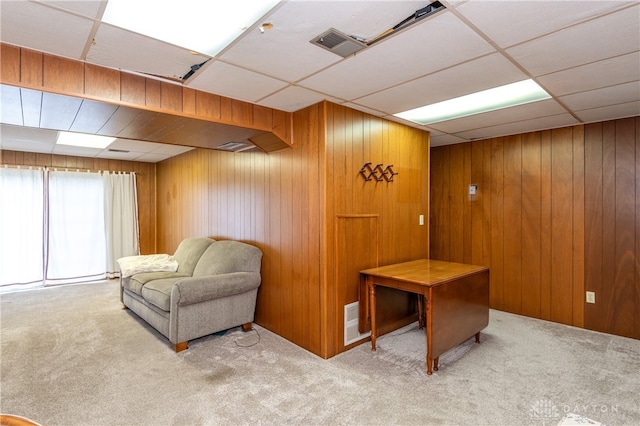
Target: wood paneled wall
(612, 222)
(273, 201)
(381, 218)
(145, 182)
(289, 204)
(556, 214)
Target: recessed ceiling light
(84, 140)
(520, 93)
(203, 26)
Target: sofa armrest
(200, 289)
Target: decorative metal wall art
(377, 172)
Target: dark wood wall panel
(270, 200)
(557, 214)
(289, 203)
(145, 182)
(353, 139)
(611, 223)
(524, 222)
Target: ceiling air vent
(235, 146)
(338, 43)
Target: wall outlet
(591, 297)
(473, 188)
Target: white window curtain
(121, 218)
(21, 227)
(59, 227)
(77, 244)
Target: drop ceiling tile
(292, 98)
(606, 96)
(605, 37)
(26, 146)
(364, 109)
(445, 139)
(506, 115)
(608, 72)
(285, 52)
(152, 157)
(88, 8)
(28, 134)
(525, 126)
(169, 150)
(77, 151)
(10, 95)
(58, 111)
(233, 82)
(27, 139)
(512, 22)
(444, 41)
(116, 155)
(473, 76)
(43, 28)
(133, 145)
(142, 54)
(630, 109)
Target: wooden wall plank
(171, 97)
(578, 227)
(623, 310)
(439, 209)
(531, 223)
(10, 63)
(496, 291)
(31, 68)
(545, 226)
(513, 257)
(103, 83)
(63, 75)
(466, 206)
(594, 207)
(606, 292)
(152, 93)
(132, 89)
(637, 253)
(561, 225)
(457, 197)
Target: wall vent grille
(351, 333)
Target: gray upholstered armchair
(214, 288)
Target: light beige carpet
(72, 356)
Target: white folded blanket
(131, 265)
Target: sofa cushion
(158, 292)
(223, 257)
(137, 282)
(189, 251)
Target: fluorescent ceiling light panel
(202, 26)
(84, 140)
(520, 93)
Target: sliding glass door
(59, 227)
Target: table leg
(372, 312)
(435, 363)
(429, 365)
(420, 311)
